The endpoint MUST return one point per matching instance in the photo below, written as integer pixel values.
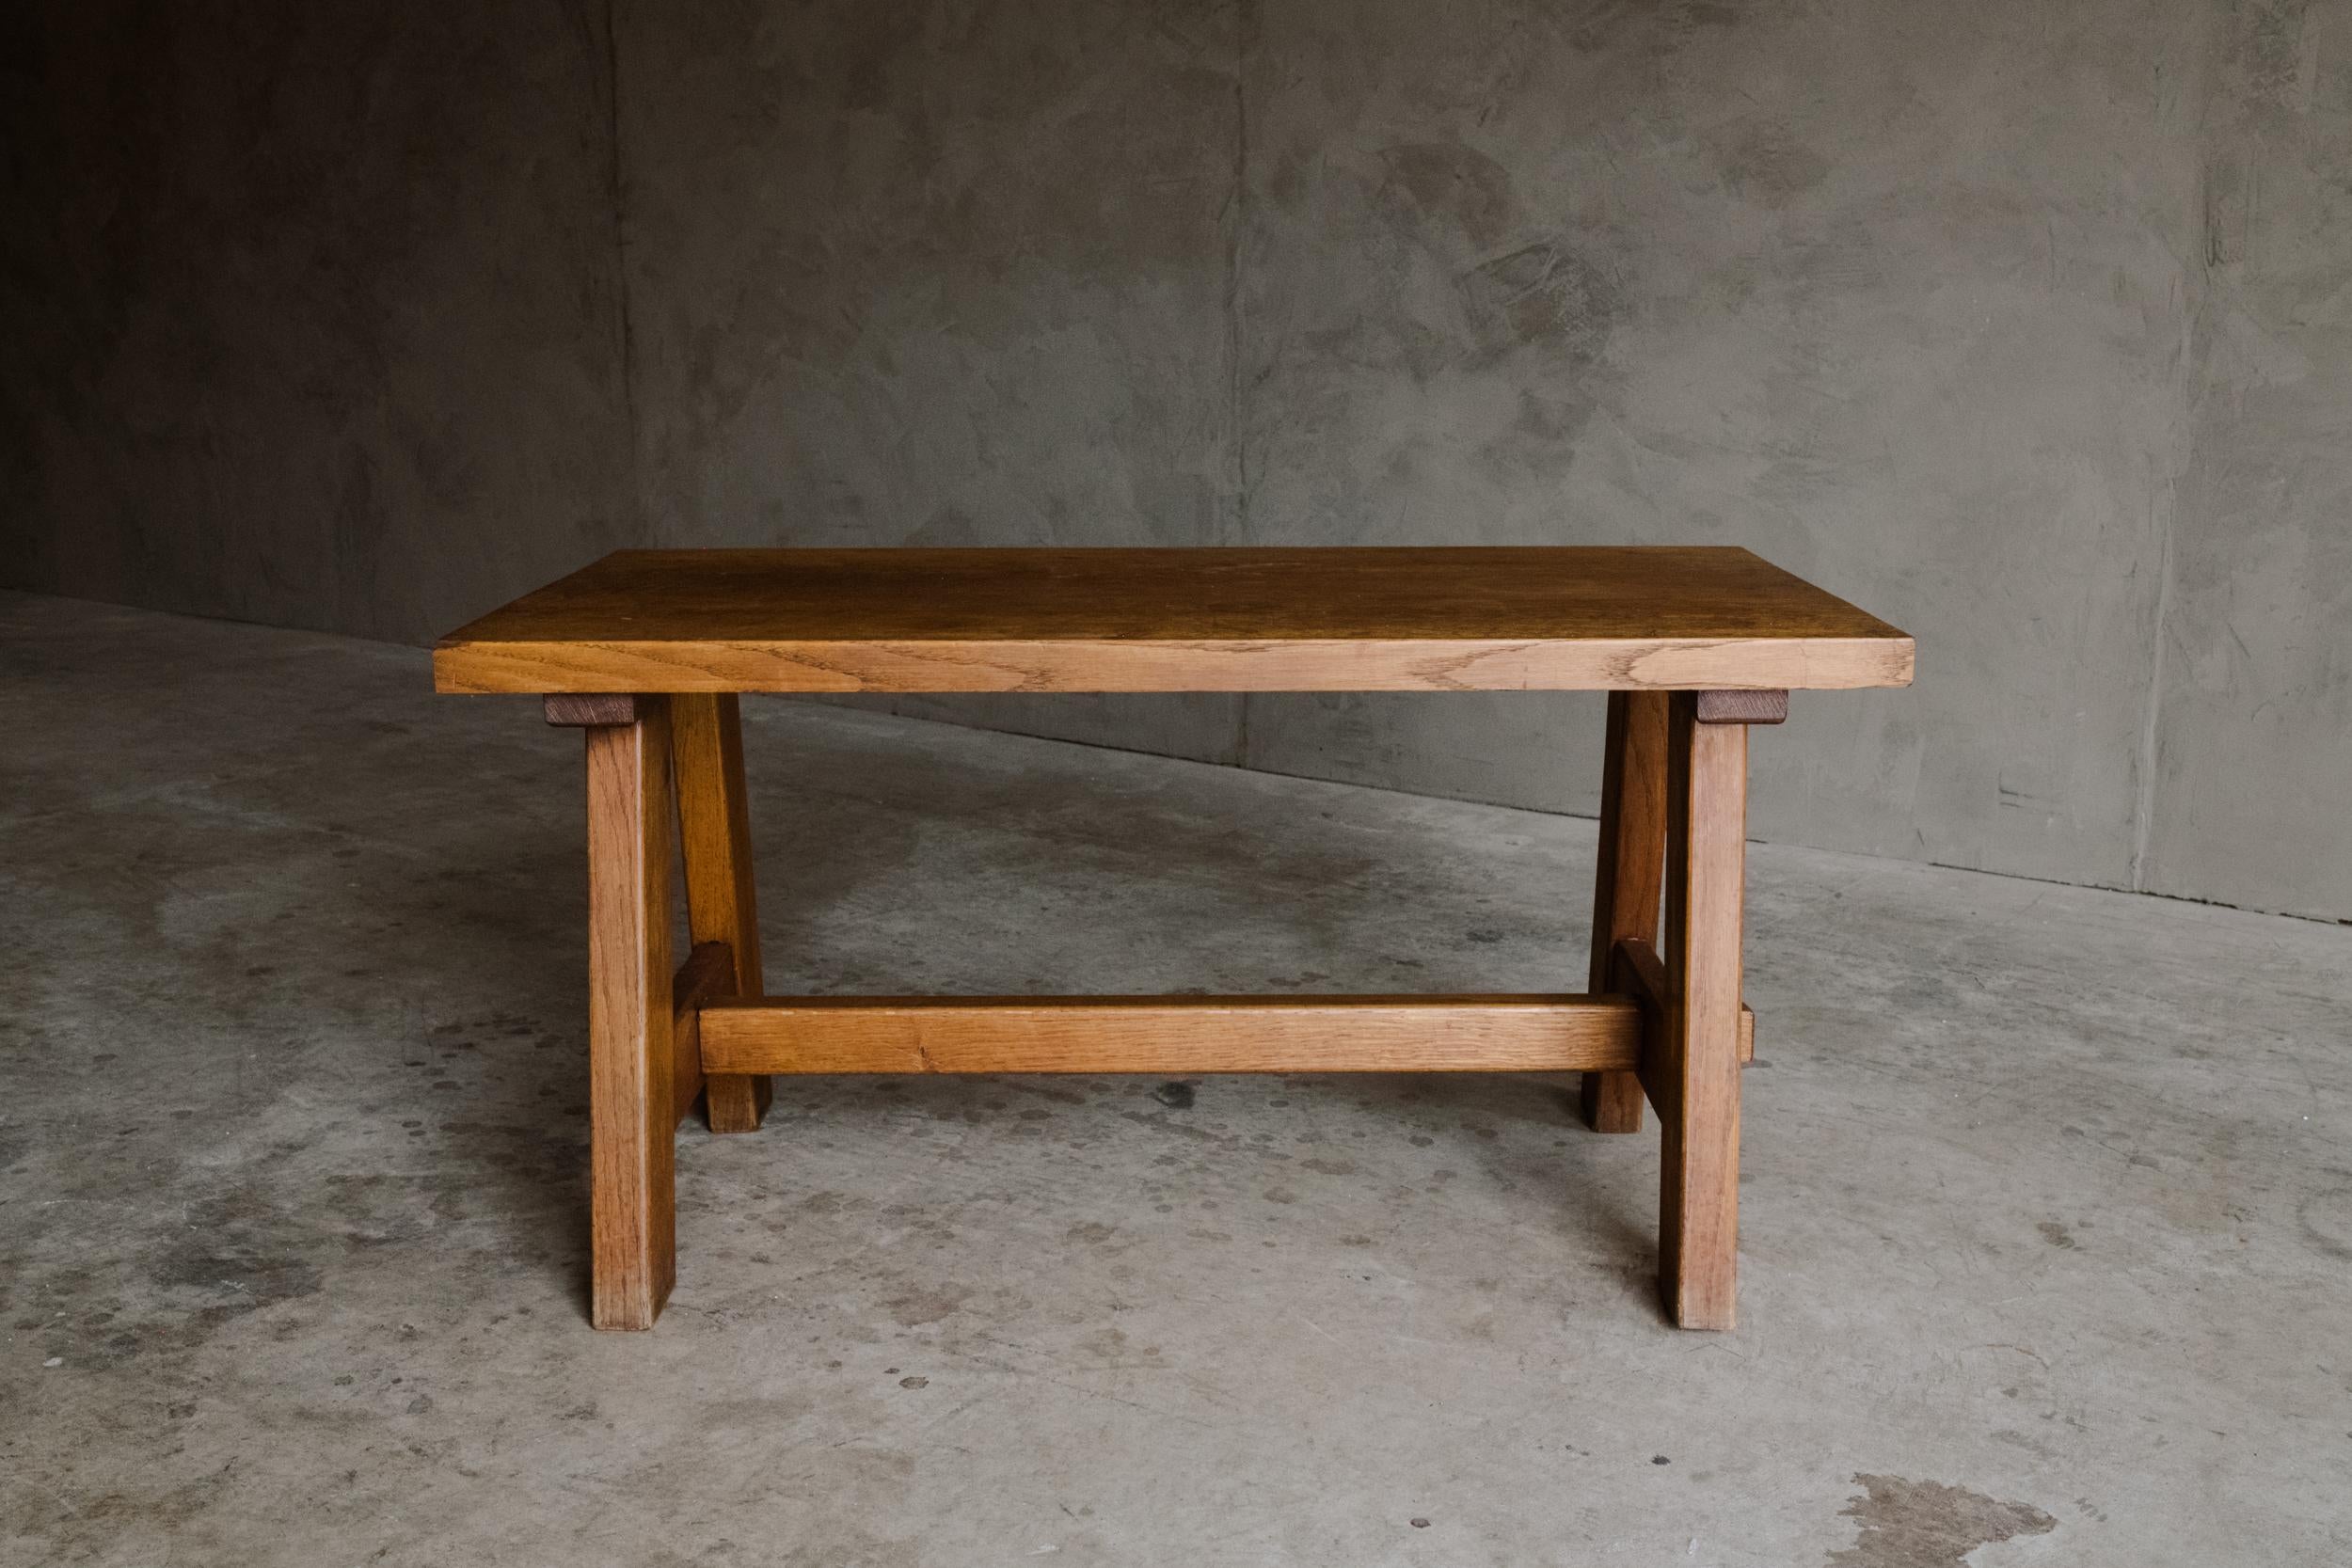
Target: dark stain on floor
(1925, 1524)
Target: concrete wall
(2029, 327)
(2252, 742)
(311, 313)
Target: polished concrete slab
(2047, 1229)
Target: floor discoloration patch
(1925, 1524)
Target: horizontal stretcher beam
(1173, 1034)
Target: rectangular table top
(1336, 619)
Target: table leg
(1630, 876)
(633, 1124)
(714, 813)
(1706, 772)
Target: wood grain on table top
(1465, 618)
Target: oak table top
(1335, 619)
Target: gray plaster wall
(2253, 740)
(2029, 327)
(308, 312)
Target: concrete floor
(2047, 1215)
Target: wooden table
(648, 649)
